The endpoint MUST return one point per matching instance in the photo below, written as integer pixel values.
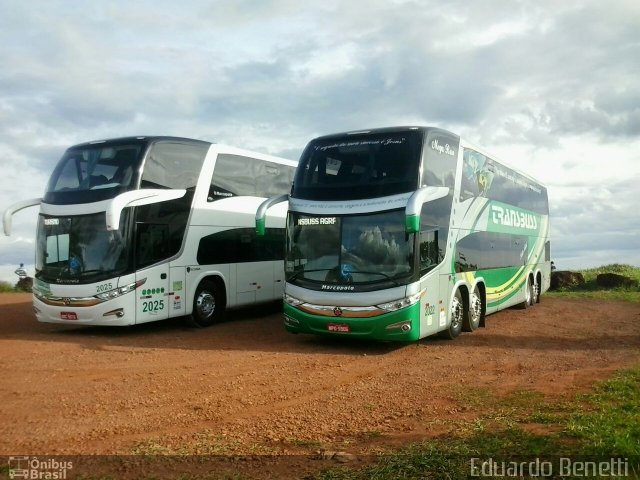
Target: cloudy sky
(551, 87)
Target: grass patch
(611, 425)
(590, 288)
(622, 295)
(604, 423)
(472, 396)
(6, 287)
(590, 274)
(208, 443)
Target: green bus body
(400, 233)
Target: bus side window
(237, 175)
(429, 253)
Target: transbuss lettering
(513, 218)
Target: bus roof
(383, 130)
(140, 139)
(424, 129)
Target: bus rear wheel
(208, 305)
(536, 289)
(456, 315)
(529, 294)
(473, 317)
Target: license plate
(338, 327)
(68, 316)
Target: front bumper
(405, 324)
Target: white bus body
(171, 236)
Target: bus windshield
(93, 173)
(79, 249)
(361, 250)
(359, 166)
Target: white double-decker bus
(401, 233)
(134, 230)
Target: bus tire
(528, 295)
(208, 305)
(473, 316)
(537, 289)
(456, 315)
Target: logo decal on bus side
(429, 312)
(507, 219)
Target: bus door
(430, 306)
(152, 246)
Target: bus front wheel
(208, 305)
(456, 314)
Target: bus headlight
(116, 292)
(401, 303)
(293, 301)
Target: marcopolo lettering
(339, 288)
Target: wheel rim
(456, 313)
(528, 294)
(475, 309)
(205, 304)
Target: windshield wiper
(391, 279)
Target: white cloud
(550, 87)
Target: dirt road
(246, 386)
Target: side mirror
(16, 207)
(261, 213)
(414, 205)
(135, 198)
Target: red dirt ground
(246, 386)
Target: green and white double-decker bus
(401, 233)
